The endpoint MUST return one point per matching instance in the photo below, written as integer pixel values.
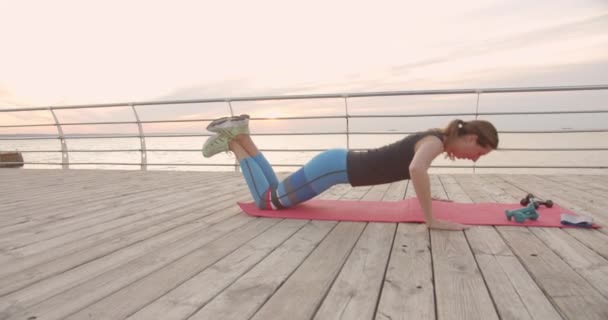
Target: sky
(66, 52)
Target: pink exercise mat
(409, 210)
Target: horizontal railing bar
(299, 165)
(552, 149)
(324, 117)
(282, 134)
(299, 150)
(555, 131)
(27, 138)
(326, 96)
(124, 164)
(110, 137)
(510, 132)
(168, 136)
(363, 149)
(30, 125)
(541, 112)
(539, 167)
(103, 123)
(420, 115)
(115, 150)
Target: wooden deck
(86, 244)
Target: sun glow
(270, 113)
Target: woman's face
(466, 147)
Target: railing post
(347, 122)
(478, 91)
(236, 161)
(477, 106)
(65, 158)
(230, 107)
(142, 140)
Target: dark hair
(485, 131)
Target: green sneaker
(215, 144)
(230, 126)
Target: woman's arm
(426, 151)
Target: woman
(408, 158)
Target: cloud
(585, 28)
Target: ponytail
(485, 131)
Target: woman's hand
(446, 225)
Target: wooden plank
(355, 292)
(62, 196)
(39, 218)
(516, 296)
(46, 178)
(20, 272)
(437, 188)
(62, 187)
(90, 180)
(97, 190)
(460, 289)
(586, 262)
(396, 191)
(410, 192)
(597, 185)
(49, 212)
(85, 294)
(244, 297)
(407, 291)
(57, 200)
(600, 184)
(482, 239)
(62, 231)
(104, 257)
(587, 195)
(377, 192)
(139, 259)
(565, 197)
(186, 299)
(119, 192)
(77, 209)
(343, 292)
(595, 240)
(61, 178)
(198, 269)
(303, 291)
(300, 295)
(582, 183)
(82, 231)
(574, 296)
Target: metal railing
(65, 152)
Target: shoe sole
(213, 126)
(210, 154)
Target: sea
(286, 160)
(372, 122)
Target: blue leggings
(319, 174)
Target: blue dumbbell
(522, 214)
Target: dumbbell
(530, 198)
(520, 215)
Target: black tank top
(385, 164)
